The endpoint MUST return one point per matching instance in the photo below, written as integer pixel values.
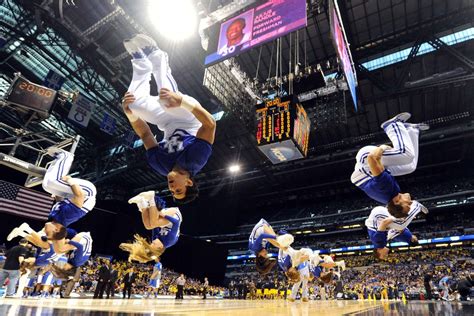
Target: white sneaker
(24, 227)
(53, 151)
(148, 195)
(342, 265)
(136, 199)
(133, 49)
(14, 233)
(145, 43)
(424, 209)
(402, 117)
(419, 126)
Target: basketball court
(83, 307)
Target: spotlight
(234, 168)
(176, 20)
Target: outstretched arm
(140, 127)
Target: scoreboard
(283, 129)
(31, 96)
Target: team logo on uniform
(175, 143)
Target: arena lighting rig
(281, 128)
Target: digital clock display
(274, 121)
(283, 129)
(26, 94)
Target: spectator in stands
(180, 282)
(11, 267)
(128, 281)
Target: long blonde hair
(141, 250)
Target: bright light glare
(234, 168)
(174, 19)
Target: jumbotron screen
(255, 26)
(342, 48)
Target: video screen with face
(255, 26)
(342, 48)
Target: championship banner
(81, 111)
(53, 80)
(108, 124)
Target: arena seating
(89, 276)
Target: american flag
(20, 201)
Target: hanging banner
(81, 111)
(129, 139)
(108, 124)
(53, 80)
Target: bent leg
(52, 182)
(295, 289)
(410, 167)
(361, 170)
(161, 71)
(91, 193)
(403, 151)
(145, 106)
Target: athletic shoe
(419, 126)
(140, 201)
(14, 233)
(54, 151)
(24, 227)
(424, 209)
(145, 43)
(285, 240)
(148, 195)
(402, 117)
(342, 265)
(133, 49)
(304, 299)
(291, 299)
(136, 199)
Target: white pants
(304, 276)
(379, 213)
(149, 108)
(400, 160)
(53, 183)
(22, 283)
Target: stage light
(234, 168)
(176, 20)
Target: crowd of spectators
(403, 275)
(140, 287)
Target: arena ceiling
(88, 50)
